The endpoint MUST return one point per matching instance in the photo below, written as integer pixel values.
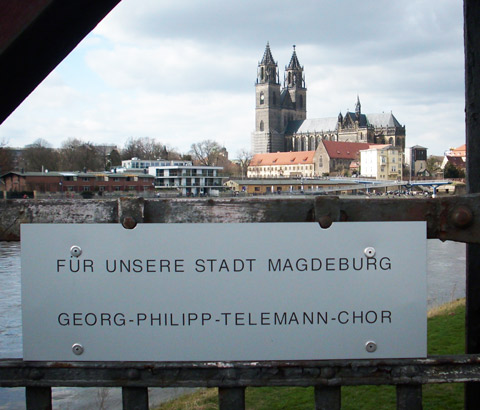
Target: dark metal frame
(408, 375)
(452, 218)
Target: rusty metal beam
(454, 218)
(435, 369)
(38, 35)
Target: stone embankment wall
(14, 212)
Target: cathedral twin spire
(268, 70)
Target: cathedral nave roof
(309, 126)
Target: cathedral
(281, 122)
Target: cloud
(173, 66)
(184, 71)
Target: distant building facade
(282, 165)
(187, 179)
(269, 186)
(281, 122)
(338, 158)
(142, 164)
(416, 161)
(456, 157)
(384, 162)
(77, 182)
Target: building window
(262, 126)
(262, 98)
(86, 188)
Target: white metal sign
(221, 292)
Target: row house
(76, 182)
(282, 165)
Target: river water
(445, 280)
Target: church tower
(268, 135)
(294, 83)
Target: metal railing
(232, 378)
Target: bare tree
(146, 148)
(207, 152)
(40, 155)
(6, 158)
(77, 155)
(244, 157)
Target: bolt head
(129, 222)
(462, 217)
(75, 251)
(325, 221)
(370, 346)
(77, 349)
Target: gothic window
(262, 98)
(274, 98)
(262, 126)
(390, 141)
(301, 101)
(262, 73)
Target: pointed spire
(358, 107)
(267, 68)
(294, 63)
(267, 56)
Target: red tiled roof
(459, 151)
(456, 161)
(345, 150)
(283, 158)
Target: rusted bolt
(328, 373)
(35, 374)
(133, 374)
(129, 222)
(462, 217)
(325, 221)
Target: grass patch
(446, 336)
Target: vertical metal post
(328, 397)
(38, 398)
(135, 398)
(409, 397)
(472, 117)
(231, 398)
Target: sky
(184, 71)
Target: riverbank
(446, 335)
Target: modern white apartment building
(188, 179)
(141, 164)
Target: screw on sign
(77, 349)
(75, 251)
(370, 346)
(369, 252)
